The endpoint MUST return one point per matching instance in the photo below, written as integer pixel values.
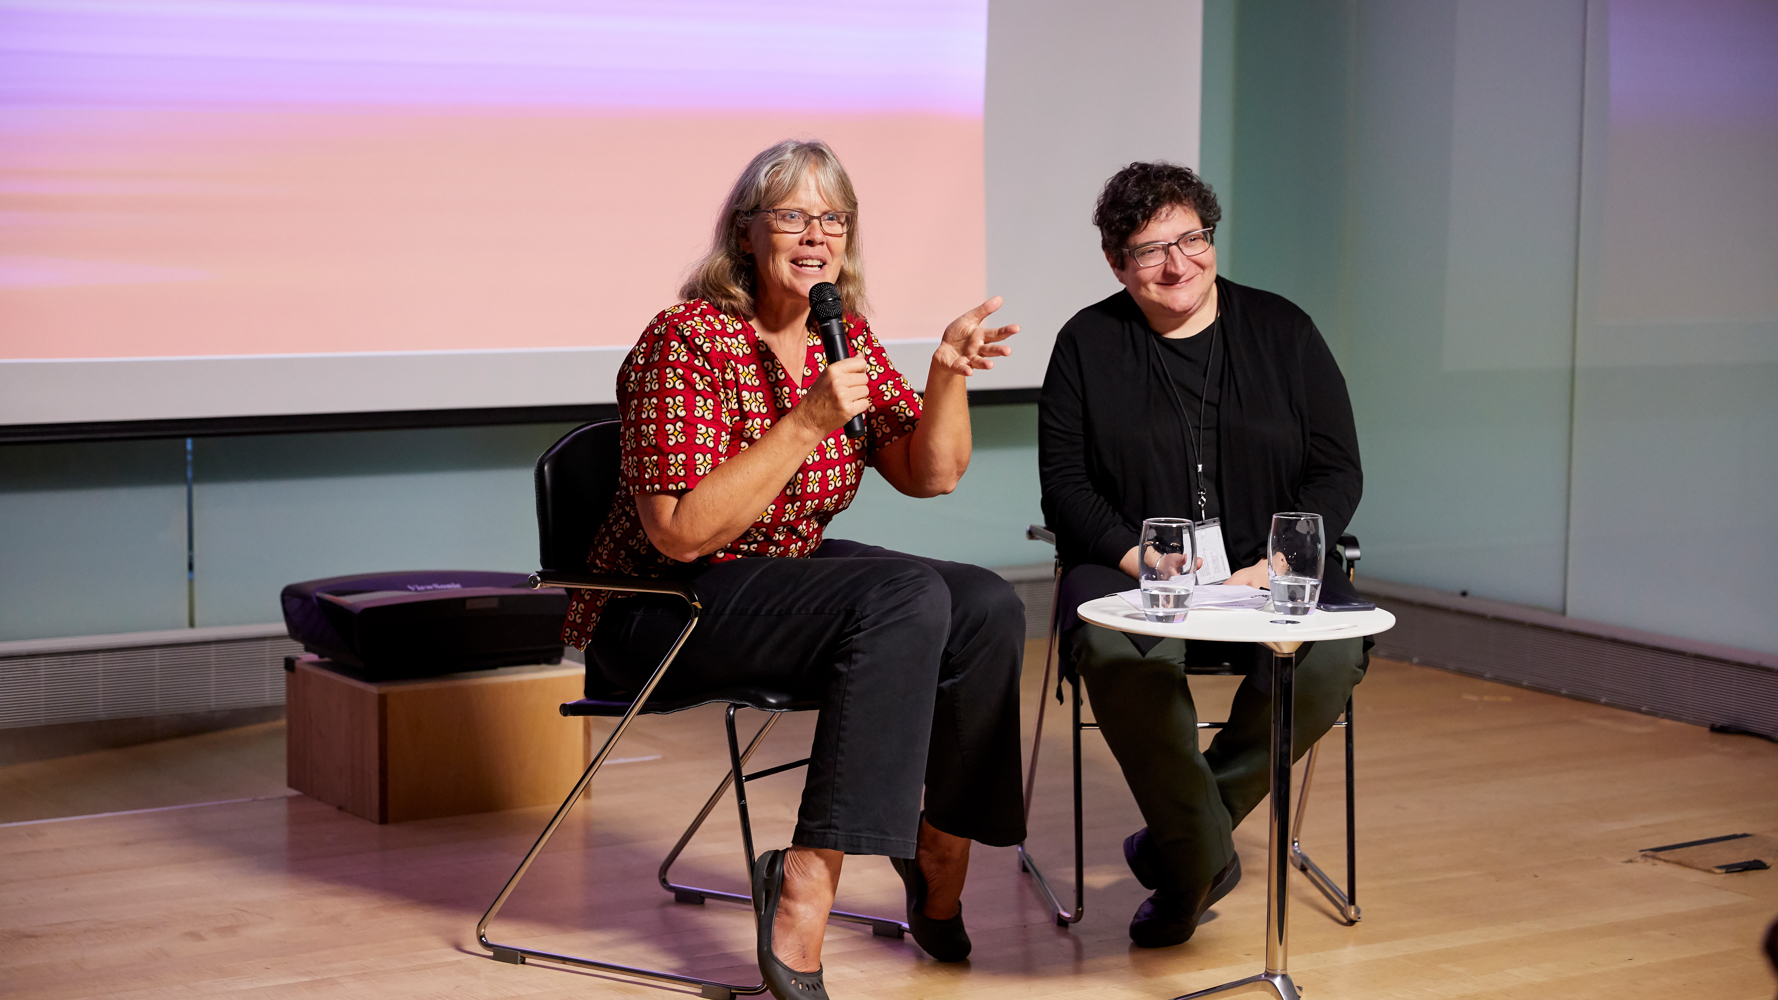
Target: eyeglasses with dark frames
(794, 221)
(1153, 254)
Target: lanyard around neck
(1195, 435)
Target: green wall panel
(275, 510)
(92, 538)
(983, 521)
(1285, 211)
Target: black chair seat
(616, 704)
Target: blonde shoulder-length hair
(725, 276)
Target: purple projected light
(1701, 59)
(677, 55)
(1691, 152)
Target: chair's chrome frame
(695, 895)
(737, 776)
(1345, 902)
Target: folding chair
(576, 481)
(1345, 902)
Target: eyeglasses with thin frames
(1153, 254)
(794, 221)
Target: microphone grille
(824, 301)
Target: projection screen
(267, 207)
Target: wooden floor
(242, 763)
(1498, 831)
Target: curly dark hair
(1139, 192)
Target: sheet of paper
(1235, 596)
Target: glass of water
(1169, 560)
(1295, 555)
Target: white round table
(1283, 635)
(1240, 624)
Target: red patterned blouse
(696, 390)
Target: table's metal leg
(1352, 911)
(1279, 984)
(1278, 846)
(1276, 978)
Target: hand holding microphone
(850, 383)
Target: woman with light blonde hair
(733, 462)
(725, 276)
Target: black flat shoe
(1143, 858)
(1169, 918)
(945, 940)
(785, 982)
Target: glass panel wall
(1541, 239)
(1408, 173)
(1676, 389)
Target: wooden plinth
(404, 750)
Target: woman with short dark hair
(733, 463)
(1187, 395)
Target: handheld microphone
(824, 303)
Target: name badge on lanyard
(1216, 559)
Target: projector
(425, 623)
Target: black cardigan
(1112, 445)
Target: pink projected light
(254, 178)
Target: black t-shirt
(1187, 361)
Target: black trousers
(1140, 689)
(915, 662)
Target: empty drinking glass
(1294, 558)
(1169, 560)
